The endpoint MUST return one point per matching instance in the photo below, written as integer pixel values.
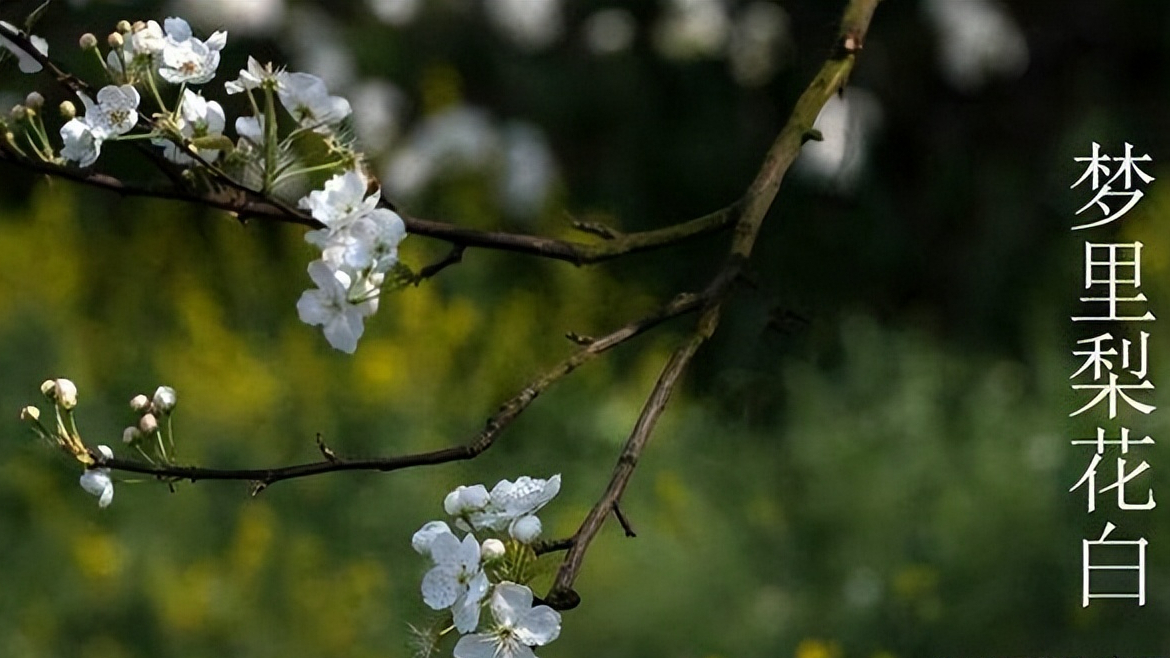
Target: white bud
(30, 412)
(123, 26)
(466, 499)
(68, 110)
(87, 41)
(525, 529)
(115, 40)
(140, 403)
(421, 541)
(34, 100)
(66, 394)
(164, 400)
(148, 424)
(492, 549)
(131, 434)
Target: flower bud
(148, 424)
(68, 110)
(34, 101)
(131, 435)
(49, 389)
(140, 403)
(66, 394)
(19, 113)
(123, 27)
(525, 529)
(115, 40)
(421, 541)
(87, 41)
(164, 400)
(466, 499)
(138, 26)
(30, 412)
(492, 549)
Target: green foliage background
(888, 478)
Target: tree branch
(756, 203)
(508, 412)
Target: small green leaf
(35, 16)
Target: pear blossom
(200, 118)
(147, 41)
(518, 626)
(511, 502)
(81, 146)
(26, 62)
(457, 580)
(330, 306)
(97, 480)
(342, 200)
(256, 75)
(306, 98)
(114, 113)
(186, 58)
(421, 541)
(369, 242)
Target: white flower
(525, 529)
(200, 118)
(421, 541)
(164, 400)
(512, 501)
(466, 499)
(308, 101)
(457, 581)
(147, 41)
(370, 241)
(256, 75)
(518, 626)
(342, 200)
(97, 480)
(187, 59)
(80, 144)
(115, 113)
(330, 306)
(25, 61)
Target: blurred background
(870, 459)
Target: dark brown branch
(756, 203)
(507, 413)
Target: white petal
(344, 331)
(313, 308)
(106, 451)
(177, 29)
(509, 603)
(465, 613)
(480, 645)
(441, 587)
(538, 626)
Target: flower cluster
(464, 569)
(147, 436)
(63, 434)
(359, 245)
(277, 154)
(153, 433)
